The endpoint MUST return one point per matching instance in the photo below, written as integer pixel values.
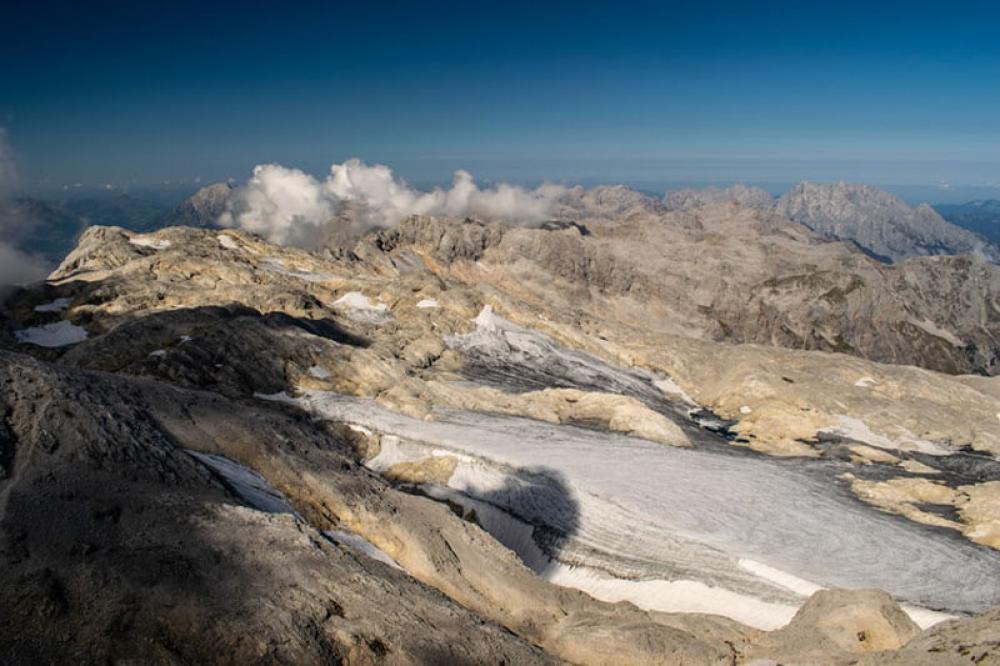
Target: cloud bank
(291, 207)
(16, 267)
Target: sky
(643, 93)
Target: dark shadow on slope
(539, 497)
(233, 350)
(324, 328)
(533, 513)
(116, 544)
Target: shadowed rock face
(121, 544)
(140, 550)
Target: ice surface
(248, 484)
(59, 334)
(57, 305)
(854, 428)
(765, 530)
(513, 358)
(358, 543)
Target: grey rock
(743, 195)
(202, 209)
(878, 222)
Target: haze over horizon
(648, 95)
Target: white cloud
(278, 204)
(16, 267)
(291, 207)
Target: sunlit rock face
(456, 428)
(878, 222)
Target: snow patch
(154, 243)
(745, 409)
(865, 382)
(228, 242)
(674, 596)
(428, 303)
(360, 308)
(361, 545)
(57, 305)
(672, 388)
(358, 301)
(59, 334)
(925, 617)
(487, 321)
(159, 353)
(318, 372)
(856, 429)
(248, 484)
(280, 396)
(786, 580)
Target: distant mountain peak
(201, 209)
(878, 221)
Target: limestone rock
(834, 626)
(878, 222)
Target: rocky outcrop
(835, 626)
(972, 640)
(878, 222)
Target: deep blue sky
(885, 92)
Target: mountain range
(645, 431)
(878, 223)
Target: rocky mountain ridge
(875, 221)
(879, 222)
(219, 343)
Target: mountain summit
(878, 222)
